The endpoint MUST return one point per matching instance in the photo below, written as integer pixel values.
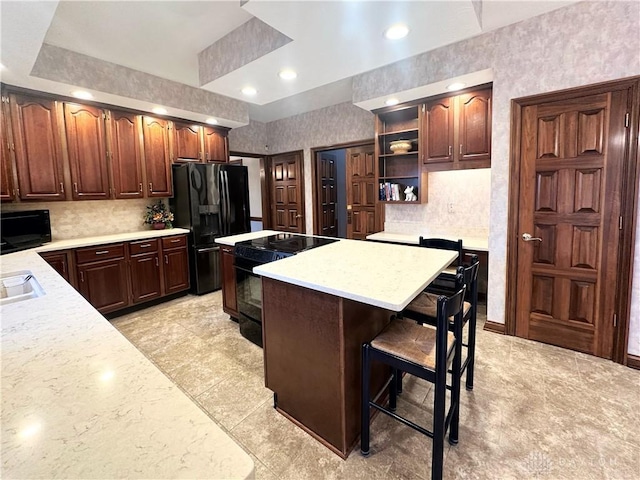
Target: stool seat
(413, 342)
(427, 303)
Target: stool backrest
(443, 244)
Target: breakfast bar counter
(318, 308)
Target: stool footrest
(403, 420)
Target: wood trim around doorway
(314, 175)
(629, 205)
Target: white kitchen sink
(17, 287)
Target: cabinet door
(6, 172)
(105, 284)
(176, 270)
(87, 151)
(186, 142)
(474, 120)
(38, 150)
(156, 157)
(145, 277)
(229, 293)
(216, 146)
(59, 262)
(438, 131)
(363, 223)
(126, 159)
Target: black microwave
(24, 229)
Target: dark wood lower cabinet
(134, 272)
(229, 293)
(105, 284)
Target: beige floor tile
(536, 411)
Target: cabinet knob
(140, 187)
(450, 150)
(61, 187)
(157, 264)
(75, 187)
(460, 149)
(150, 187)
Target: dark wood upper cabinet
(456, 131)
(216, 145)
(38, 149)
(156, 157)
(187, 142)
(438, 134)
(6, 172)
(474, 110)
(123, 131)
(86, 143)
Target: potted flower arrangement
(158, 215)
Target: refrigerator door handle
(223, 204)
(225, 186)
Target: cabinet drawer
(173, 242)
(143, 246)
(102, 252)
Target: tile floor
(536, 411)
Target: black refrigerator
(212, 201)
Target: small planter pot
(159, 226)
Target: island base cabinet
(312, 358)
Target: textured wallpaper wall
(251, 138)
(89, 218)
(584, 43)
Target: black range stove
(274, 247)
(250, 254)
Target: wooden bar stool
(425, 352)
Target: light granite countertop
(479, 244)
(80, 401)
(233, 239)
(105, 239)
(380, 274)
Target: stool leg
(471, 349)
(393, 389)
(437, 456)
(364, 427)
(399, 382)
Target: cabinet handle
(150, 187)
(64, 268)
(140, 187)
(18, 191)
(207, 155)
(145, 245)
(102, 252)
(75, 187)
(460, 149)
(81, 276)
(61, 187)
(450, 150)
(166, 259)
(176, 240)
(157, 264)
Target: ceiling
(223, 46)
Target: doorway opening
(258, 201)
(344, 189)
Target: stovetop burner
(275, 247)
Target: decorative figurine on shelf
(158, 216)
(409, 195)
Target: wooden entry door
(363, 212)
(572, 155)
(327, 192)
(287, 192)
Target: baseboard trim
(494, 327)
(633, 361)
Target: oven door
(249, 294)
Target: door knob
(298, 216)
(528, 238)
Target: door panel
(363, 211)
(156, 157)
(126, 159)
(85, 128)
(570, 183)
(326, 188)
(38, 148)
(287, 192)
(439, 131)
(186, 142)
(145, 277)
(475, 125)
(216, 145)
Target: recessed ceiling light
(456, 86)
(397, 31)
(392, 101)
(82, 95)
(288, 74)
(249, 91)
(211, 121)
(159, 111)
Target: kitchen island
(318, 307)
(79, 401)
